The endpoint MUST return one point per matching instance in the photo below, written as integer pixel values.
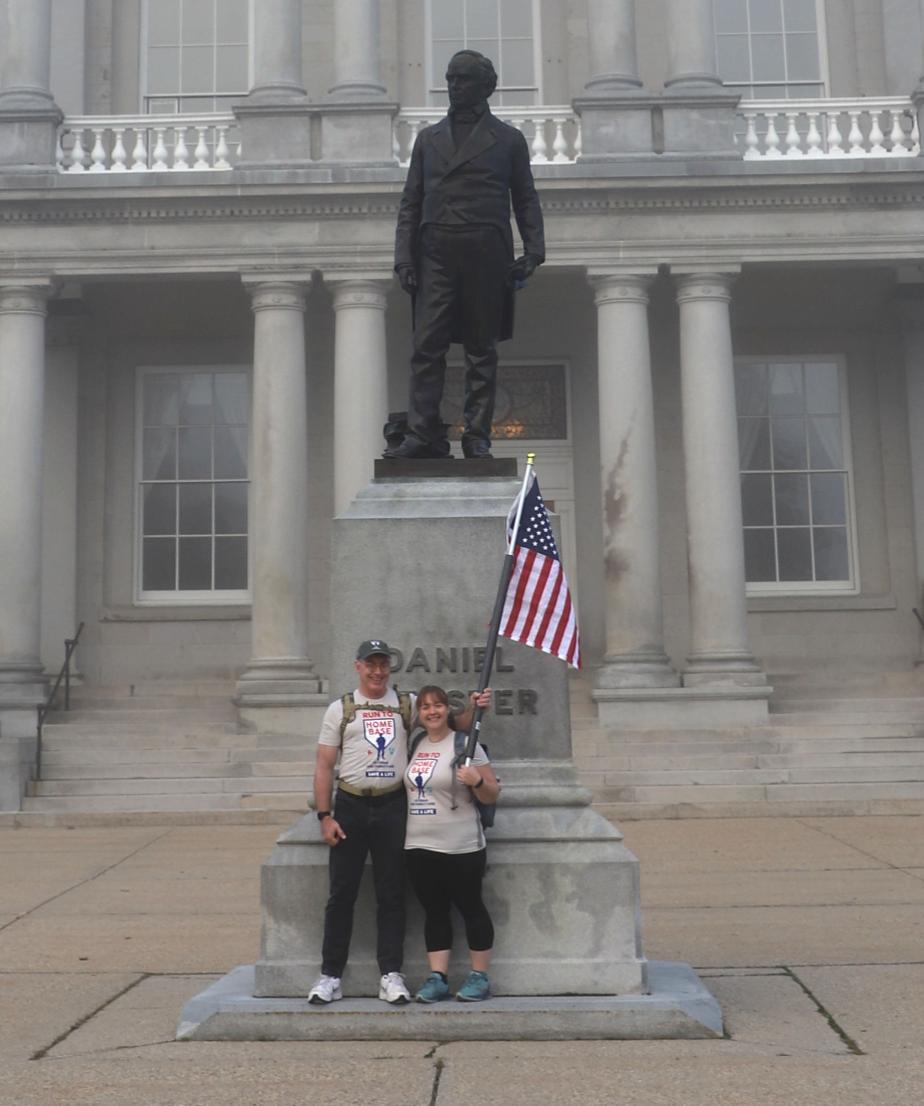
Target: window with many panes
(196, 55)
(795, 475)
(771, 49)
(192, 481)
(506, 31)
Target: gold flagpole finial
(530, 458)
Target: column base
(280, 695)
(357, 132)
(723, 670)
(615, 125)
(28, 136)
(639, 669)
(682, 708)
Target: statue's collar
(468, 115)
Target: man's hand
(481, 699)
(331, 833)
(522, 269)
(407, 278)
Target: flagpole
(506, 572)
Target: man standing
(454, 254)
(369, 731)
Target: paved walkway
(810, 931)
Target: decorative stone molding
(276, 295)
(24, 299)
(621, 288)
(705, 286)
(359, 293)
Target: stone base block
(28, 139)
(275, 135)
(17, 767)
(614, 128)
(458, 467)
(562, 889)
(702, 127)
(357, 133)
(683, 708)
(270, 718)
(677, 1006)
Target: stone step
(118, 802)
(58, 761)
(167, 717)
(868, 715)
(804, 807)
(62, 740)
(240, 769)
(769, 776)
(780, 792)
(167, 785)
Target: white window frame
(824, 75)
(212, 598)
(436, 83)
(851, 586)
(143, 96)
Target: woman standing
(446, 849)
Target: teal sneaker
(476, 988)
(434, 989)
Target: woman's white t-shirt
(431, 821)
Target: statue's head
(470, 78)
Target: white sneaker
(326, 989)
(393, 989)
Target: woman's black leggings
(443, 880)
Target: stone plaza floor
(810, 932)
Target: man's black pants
(462, 280)
(372, 826)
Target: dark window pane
(195, 564)
(195, 453)
(448, 19)
(481, 19)
(164, 23)
(159, 509)
(754, 443)
(518, 62)
(802, 58)
(822, 390)
(198, 21)
(795, 554)
(160, 399)
(232, 18)
(825, 449)
(799, 15)
(789, 443)
(158, 572)
(792, 503)
(231, 68)
(230, 508)
(163, 69)
(759, 560)
(829, 503)
(196, 400)
(197, 71)
(733, 58)
(230, 451)
(767, 58)
(831, 561)
(230, 564)
(786, 395)
(516, 17)
(232, 399)
(159, 460)
(751, 394)
(195, 508)
(757, 500)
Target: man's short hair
(485, 66)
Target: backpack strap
(404, 708)
(349, 712)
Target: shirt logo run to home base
(380, 732)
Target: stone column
(357, 119)
(635, 654)
(698, 111)
(360, 381)
(22, 392)
(719, 651)
(615, 111)
(275, 119)
(279, 673)
(29, 117)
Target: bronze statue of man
(454, 254)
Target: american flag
(537, 608)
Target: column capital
(705, 286)
(360, 292)
(619, 287)
(275, 293)
(24, 297)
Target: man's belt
(369, 792)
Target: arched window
(196, 55)
(771, 49)
(506, 31)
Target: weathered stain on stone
(615, 507)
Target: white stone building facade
(720, 366)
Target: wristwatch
(475, 786)
(322, 814)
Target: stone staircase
(165, 748)
(831, 747)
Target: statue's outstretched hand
(407, 278)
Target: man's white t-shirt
(431, 821)
(373, 753)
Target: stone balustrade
(553, 133)
(148, 143)
(866, 127)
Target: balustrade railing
(858, 128)
(148, 143)
(553, 133)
